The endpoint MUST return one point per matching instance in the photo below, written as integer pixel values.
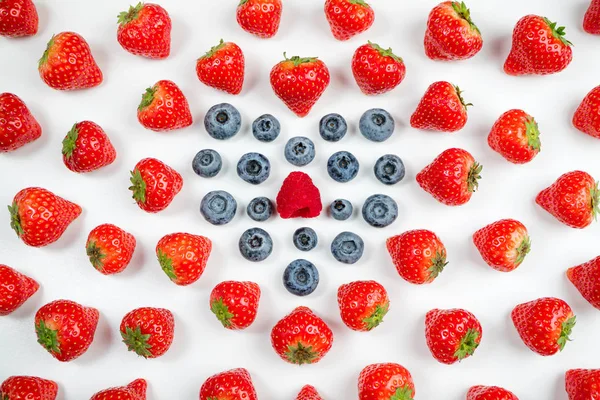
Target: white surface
(202, 347)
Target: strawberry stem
(47, 337)
(565, 332)
(70, 141)
(96, 255)
(242, 2)
(438, 262)
(385, 52)
(300, 60)
(558, 33)
(594, 194)
(463, 11)
(403, 393)
(138, 186)
(462, 101)
(376, 318)
(136, 341)
(213, 50)
(127, 16)
(300, 354)
(220, 309)
(523, 250)
(467, 345)
(15, 219)
(474, 176)
(533, 134)
(147, 98)
(359, 2)
(166, 263)
(46, 54)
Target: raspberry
(299, 197)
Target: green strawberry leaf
(138, 186)
(46, 54)
(15, 219)
(69, 142)
(403, 393)
(47, 337)
(166, 263)
(130, 15)
(474, 176)
(467, 345)
(595, 196)
(463, 11)
(385, 52)
(147, 98)
(376, 318)
(220, 309)
(565, 332)
(558, 33)
(300, 354)
(213, 50)
(96, 255)
(137, 342)
(438, 263)
(523, 250)
(300, 60)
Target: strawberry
(39, 217)
(183, 256)
(574, 199)
(235, 304)
(154, 184)
(451, 34)
(299, 82)
(301, 337)
(544, 324)
(18, 18)
(68, 64)
(591, 21)
(145, 30)
(148, 331)
(28, 387)
(66, 329)
(136, 390)
(452, 335)
(363, 304)
(15, 289)
(503, 244)
(308, 392)
(385, 381)
(164, 108)
(235, 384)
(348, 18)
(582, 384)
(259, 17)
(377, 70)
(87, 148)
(109, 248)
(17, 126)
(490, 393)
(586, 278)
(538, 47)
(587, 116)
(222, 67)
(515, 136)
(419, 255)
(452, 177)
(442, 108)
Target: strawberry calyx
(47, 337)
(385, 52)
(4, 396)
(474, 177)
(213, 50)
(403, 393)
(467, 345)
(130, 15)
(138, 186)
(147, 98)
(69, 142)
(595, 196)
(533, 134)
(166, 263)
(376, 317)
(462, 101)
(465, 13)
(565, 332)
(137, 341)
(558, 33)
(96, 255)
(297, 61)
(359, 3)
(523, 250)
(438, 262)
(300, 354)
(220, 309)
(46, 54)
(15, 219)
(242, 2)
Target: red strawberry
(452, 177)
(15, 289)
(377, 70)
(503, 244)
(348, 18)
(87, 148)
(299, 82)
(109, 248)
(582, 384)
(183, 256)
(39, 217)
(442, 108)
(490, 393)
(259, 17)
(574, 199)
(17, 126)
(516, 136)
(136, 390)
(164, 108)
(222, 67)
(452, 335)
(68, 64)
(145, 30)
(154, 184)
(301, 337)
(538, 47)
(587, 116)
(591, 21)
(66, 329)
(385, 381)
(586, 278)
(544, 324)
(419, 255)
(29, 388)
(308, 392)
(18, 18)
(148, 331)
(363, 304)
(235, 303)
(299, 197)
(235, 384)
(451, 34)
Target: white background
(201, 346)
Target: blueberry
(342, 166)
(389, 169)
(255, 244)
(341, 209)
(301, 277)
(260, 209)
(333, 127)
(380, 210)
(223, 121)
(218, 207)
(376, 125)
(305, 239)
(266, 128)
(299, 151)
(207, 163)
(347, 247)
(254, 168)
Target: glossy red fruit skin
(145, 30)
(28, 388)
(515, 136)
(385, 381)
(68, 64)
(87, 148)
(183, 256)
(490, 393)
(591, 20)
(362, 304)
(348, 18)
(573, 199)
(451, 34)
(136, 390)
(148, 331)
(503, 244)
(17, 126)
(308, 392)
(235, 304)
(154, 184)
(377, 70)
(587, 116)
(222, 68)
(164, 108)
(110, 248)
(586, 278)
(452, 335)
(442, 109)
(235, 384)
(18, 18)
(15, 289)
(299, 197)
(582, 384)
(259, 17)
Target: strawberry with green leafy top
(235, 304)
(259, 17)
(15, 289)
(452, 335)
(148, 331)
(516, 137)
(377, 70)
(363, 304)
(183, 256)
(419, 255)
(385, 381)
(503, 244)
(164, 108)
(110, 248)
(154, 184)
(145, 30)
(222, 67)
(87, 148)
(348, 18)
(442, 108)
